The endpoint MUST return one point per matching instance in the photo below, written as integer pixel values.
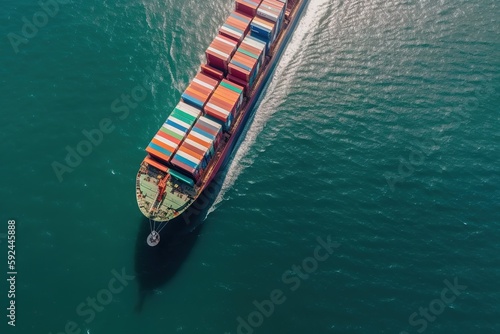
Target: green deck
(178, 195)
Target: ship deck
(179, 195)
(176, 197)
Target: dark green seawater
(379, 131)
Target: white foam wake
(277, 90)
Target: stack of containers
(168, 139)
(198, 148)
(267, 24)
(199, 90)
(212, 72)
(225, 103)
(220, 51)
(274, 11)
(236, 26)
(248, 7)
(246, 62)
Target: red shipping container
(216, 62)
(248, 8)
(194, 149)
(212, 72)
(239, 72)
(219, 52)
(217, 114)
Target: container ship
(199, 135)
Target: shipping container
(235, 88)
(183, 116)
(184, 165)
(181, 177)
(226, 100)
(263, 40)
(193, 156)
(271, 9)
(188, 159)
(263, 28)
(195, 143)
(171, 134)
(203, 141)
(236, 22)
(208, 128)
(199, 90)
(223, 116)
(232, 32)
(195, 112)
(220, 51)
(242, 83)
(244, 65)
(221, 102)
(255, 43)
(156, 164)
(245, 18)
(248, 7)
(212, 72)
(164, 142)
(215, 126)
(197, 150)
(177, 125)
(236, 26)
(157, 153)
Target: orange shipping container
(222, 103)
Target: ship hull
(153, 204)
(250, 109)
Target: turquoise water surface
(364, 196)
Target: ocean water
(364, 196)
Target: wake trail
(278, 88)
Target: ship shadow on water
(155, 266)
